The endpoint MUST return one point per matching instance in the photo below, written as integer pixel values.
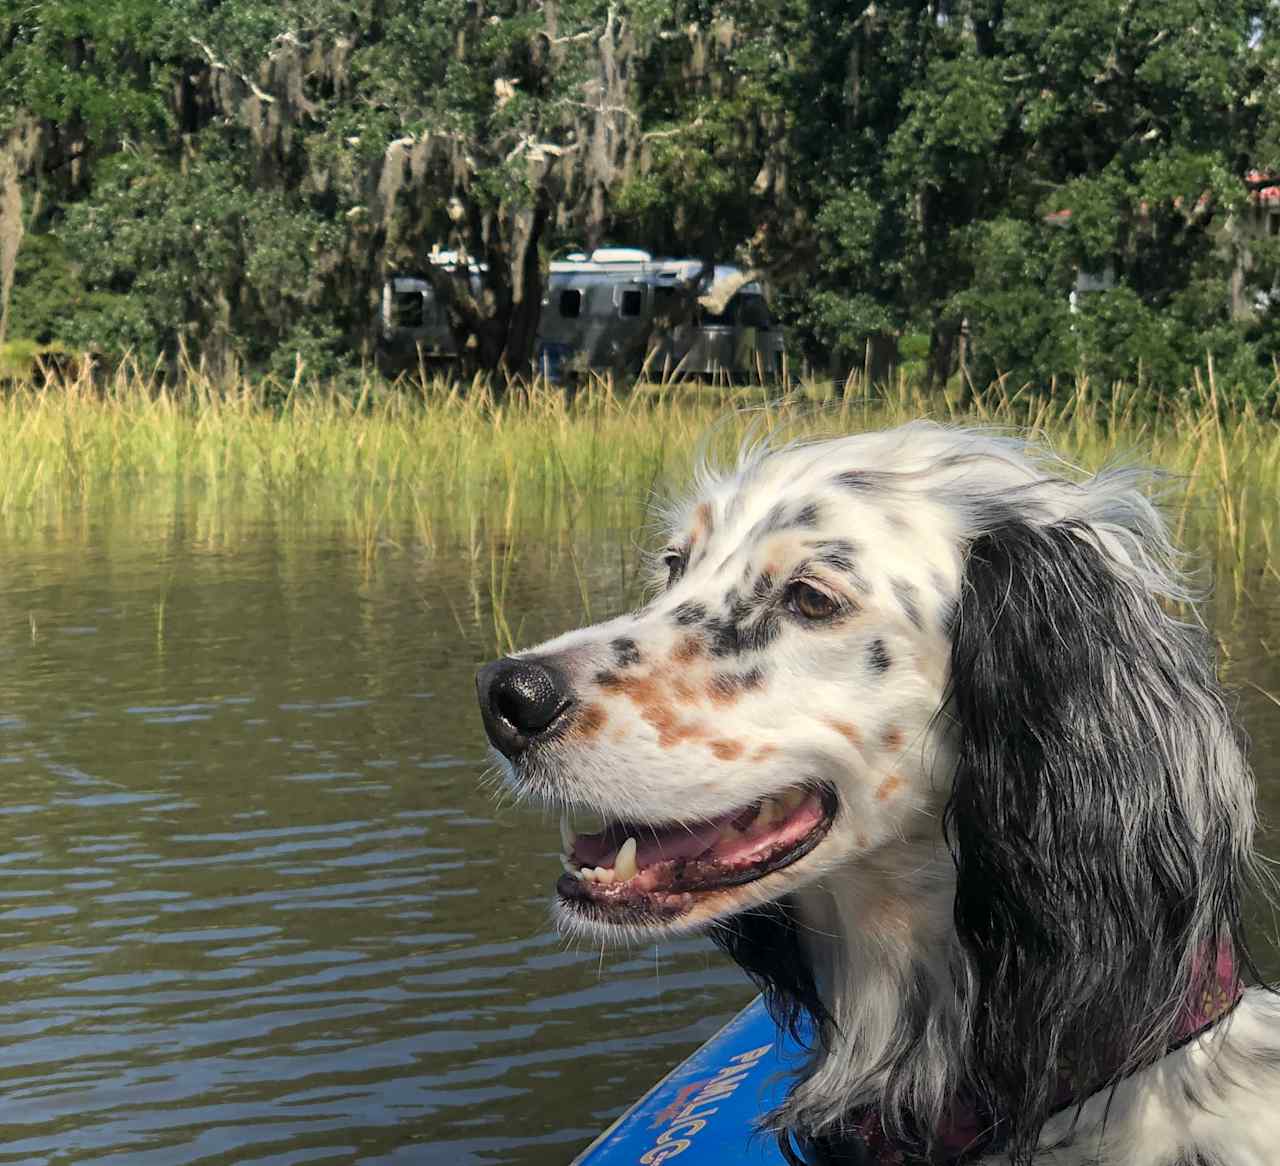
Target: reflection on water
(254, 903)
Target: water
(255, 905)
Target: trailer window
(409, 310)
(571, 303)
(630, 302)
(753, 312)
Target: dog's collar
(967, 1133)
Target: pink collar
(1214, 993)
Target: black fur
(725, 636)
(784, 517)
(625, 652)
(689, 613)
(808, 516)
(878, 656)
(763, 586)
(1083, 891)
(862, 481)
(735, 632)
(765, 943)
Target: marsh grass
(496, 475)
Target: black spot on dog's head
(878, 656)
(626, 652)
(738, 608)
(727, 686)
(860, 481)
(725, 637)
(689, 613)
(808, 516)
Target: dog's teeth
(624, 866)
(588, 874)
(567, 836)
(604, 875)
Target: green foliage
(237, 179)
(1020, 323)
(100, 64)
(191, 258)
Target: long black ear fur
(1100, 820)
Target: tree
(955, 117)
(75, 80)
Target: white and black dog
(913, 732)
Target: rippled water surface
(254, 903)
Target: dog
(913, 729)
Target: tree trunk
(526, 286)
(942, 351)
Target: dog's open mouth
(632, 870)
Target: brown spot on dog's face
(685, 692)
(847, 731)
(726, 750)
(590, 721)
(702, 521)
(892, 738)
(688, 649)
(672, 730)
(658, 706)
(764, 752)
(888, 787)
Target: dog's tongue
(653, 844)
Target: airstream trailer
(617, 308)
(414, 327)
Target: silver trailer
(414, 328)
(619, 309)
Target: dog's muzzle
(521, 701)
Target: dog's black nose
(520, 700)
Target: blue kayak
(704, 1111)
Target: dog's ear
(1100, 819)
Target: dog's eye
(809, 603)
(676, 563)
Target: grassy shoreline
(446, 460)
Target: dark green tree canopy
(922, 177)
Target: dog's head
(919, 649)
(769, 716)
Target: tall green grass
(438, 462)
